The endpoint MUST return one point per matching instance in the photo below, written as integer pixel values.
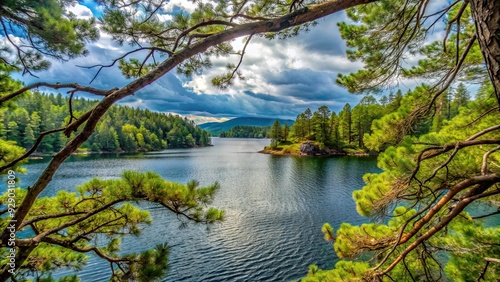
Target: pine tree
(345, 120)
(29, 137)
(276, 134)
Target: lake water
(275, 207)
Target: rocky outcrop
(310, 149)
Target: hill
(215, 128)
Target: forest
(122, 129)
(246, 131)
(429, 211)
(358, 129)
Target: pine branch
(75, 86)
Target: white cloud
(202, 119)
(164, 17)
(267, 65)
(5, 43)
(187, 6)
(81, 11)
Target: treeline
(353, 127)
(121, 129)
(245, 131)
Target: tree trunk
(486, 14)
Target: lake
(275, 207)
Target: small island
(306, 148)
(324, 133)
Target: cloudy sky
(282, 78)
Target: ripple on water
(275, 208)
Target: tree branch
(487, 130)
(484, 182)
(152, 49)
(196, 26)
(32, 149)
(75, 86)
(486, 215)
(485, 160)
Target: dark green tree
(286, 132)
(345, 121)
(29, 137)
(322, 124)
(308, 117)
(460, 98)
(299, 128)
(276, 134)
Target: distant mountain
(215, 128)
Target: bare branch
(452, 73)
(75, 86)
(96, 250)
(487, 130)
(70, 105)
(87, 215)
(485, 160)
(227, 80)
(481, 116)
(460, 145)
(450, 24)
(486, 215)
(152, 49)
(239, 10)
(48, 216)
(32, 149)
(72, 127)
(202, 24)
(484, 183)
(450, 158)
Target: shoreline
(38, 156)
(336, 154)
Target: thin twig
(32, 149)
(75, 86)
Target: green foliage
(338, 131)
(9, 149)
(122, 129)
(465, 240)
(377, 38)
(276, 134)
(391, 128)
(381, 40)
(48, 29)
(70, 223)
(435, 144)
(245, 131)
(343, 271)
(467, 256)
(327, 229)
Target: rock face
(310, 149)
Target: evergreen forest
(122, 129)
(246, 131)
(360, 128)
